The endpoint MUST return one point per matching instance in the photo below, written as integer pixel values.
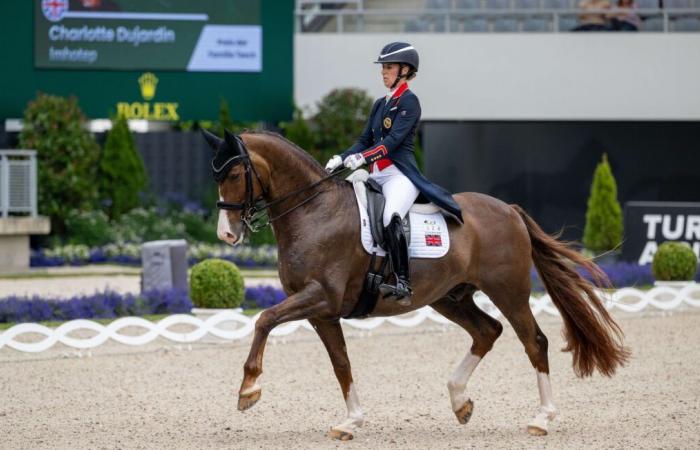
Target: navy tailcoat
(389, 134)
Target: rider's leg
(400, 194)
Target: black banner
(648, 224)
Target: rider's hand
(354, 161)
(333, 163)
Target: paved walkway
(65, 282)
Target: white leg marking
(458, 383)
(254, 388)
(547, 410)
(355, 417)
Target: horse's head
(239, 184)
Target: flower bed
(130, 254)
(109, 304)
(621, 275)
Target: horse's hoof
(247, 401)
(536, 431)
(340, 435)
(465, 412)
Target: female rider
(387, 144)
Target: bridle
(254, 213)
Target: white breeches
(398, 190)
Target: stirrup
(401, 291)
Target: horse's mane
(303, 154)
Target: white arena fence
(627, 299)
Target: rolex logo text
(148, 83)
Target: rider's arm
(365, 139)
(406, 119)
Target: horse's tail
(592, 335)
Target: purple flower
(101, 305)
(263, 296)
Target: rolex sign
(648, 224)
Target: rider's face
(389, 73)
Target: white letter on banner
(692, 228)
(652, 220)
(648, 253)
(666, 227)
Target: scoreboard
(167, 60)
(203, 35)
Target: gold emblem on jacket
(387, 122)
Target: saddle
(424, 226)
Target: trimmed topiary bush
(122, 175)
(603, 230)
(674, 261)
(216, 283)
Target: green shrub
(298, 131)
(263, 237)
(341, 117)
(67, 157)
(145, 224)
(674, 261)
(603, 229)
(216, 283)
(91, 228)
(122, 176)
(225, 122)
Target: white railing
(18, 182)
(454, 20)
(628, 300)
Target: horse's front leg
(332, 336)
(302, 305)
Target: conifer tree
(122, 175)
(603, 229)
(225, 122)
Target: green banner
(123, 81)
(205, 36)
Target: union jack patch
(433, 240)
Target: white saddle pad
(429, 235)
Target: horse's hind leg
(459, 307)
(515, 306)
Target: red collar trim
(403, 88)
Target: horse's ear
(234, 143)
(213, 140)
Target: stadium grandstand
(484, 16)
(515, 105)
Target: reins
(255, 215)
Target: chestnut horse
(322, 266)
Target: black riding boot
(398, 255)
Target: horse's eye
(234, 176)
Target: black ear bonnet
(227, 153)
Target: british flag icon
(54, 9)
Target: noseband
(255, 211)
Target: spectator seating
(655, 23)
(686, 24)
(537, 24)
(515, 16)
(476, 25)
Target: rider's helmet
(402, 53)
